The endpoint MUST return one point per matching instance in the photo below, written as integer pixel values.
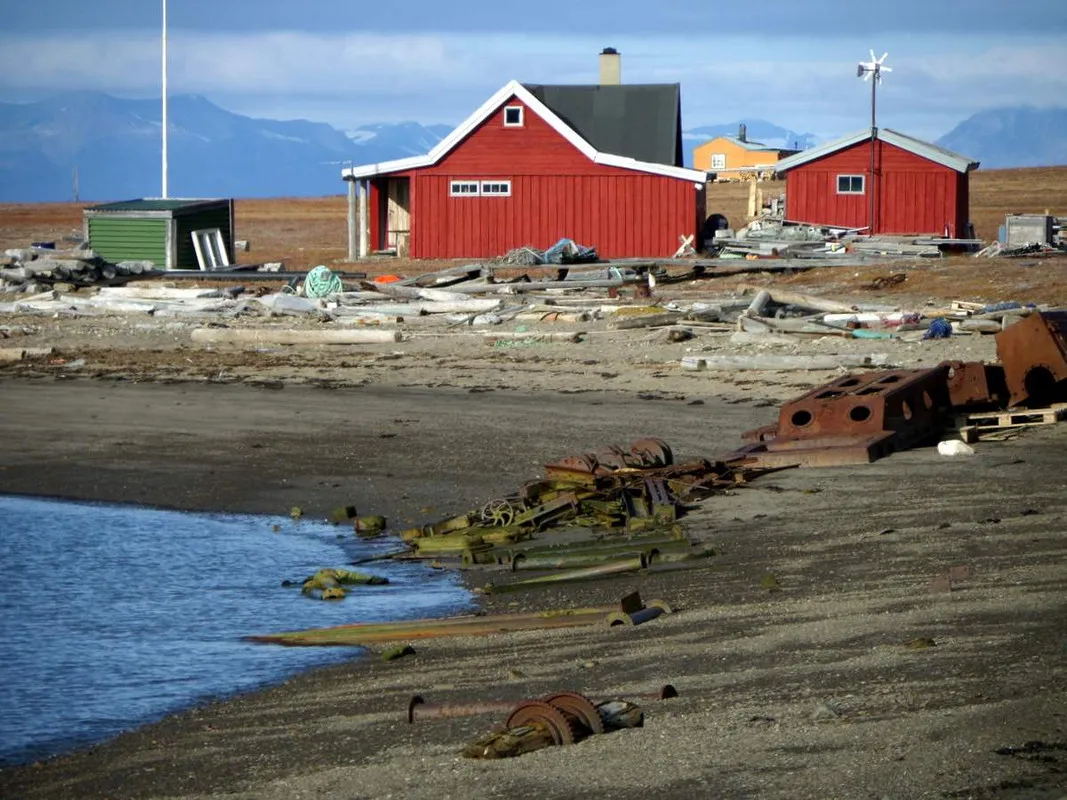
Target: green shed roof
(154, 204)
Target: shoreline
(808, 691)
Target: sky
(356, 62)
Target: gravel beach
(844, 677)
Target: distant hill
(115, 146)
(757, 130)
(1012, 137)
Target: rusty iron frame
(1034, 354)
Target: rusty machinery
(976, 385)
(855, 419)
(1034, 354)
(643, 454)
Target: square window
(513, 116)
(850, 184)
(718, 160)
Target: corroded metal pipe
(419, 709)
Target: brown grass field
(304, 232)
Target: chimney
(610, 67)
(742, 132)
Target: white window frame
(718, 160)
(459, 188)
(522, 116)
(496, 188)
(863, 184)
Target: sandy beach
(810, 690)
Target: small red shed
(918, 187)
(599, 164)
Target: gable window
(513, 116)
(463, 188)
(496, 188)
(718, 160)
(850, 184)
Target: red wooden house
(918, 188)
(599, 164)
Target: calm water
(111, 617)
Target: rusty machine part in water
(1034, 355)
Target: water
(111, 616)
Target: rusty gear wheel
(499, 513)
(578, 706)
(534, 712)
(653, 452)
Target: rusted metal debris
(1034, 355)
(855, 419)
(617, 505)
(555, 719)
(976, 385)
(419, 709)
(643, 454)
(860, 418)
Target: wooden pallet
(973, 426)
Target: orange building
(737, 158)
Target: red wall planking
(913, 194)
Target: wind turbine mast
(164, 192)
(866, 69)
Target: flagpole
(164, 194)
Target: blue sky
(356, 62)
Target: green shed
(155, 230)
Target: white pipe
(164, 193)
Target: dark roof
(640, 121)
(152, 204)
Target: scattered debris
(363, 634)
(555, 719)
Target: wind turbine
(866, 69)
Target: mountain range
(113, 145)
(1012, 137)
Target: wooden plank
(1013, 419)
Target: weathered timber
(292, 336)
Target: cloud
(775, 19)
(352, 78)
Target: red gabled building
(599, 164)
(918, 187)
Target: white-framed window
(850, 184)
(513, 116)
(463, 189)
(496, 188)
(718, 160)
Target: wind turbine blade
(885, 55)
(873, 57)
(886, 69)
